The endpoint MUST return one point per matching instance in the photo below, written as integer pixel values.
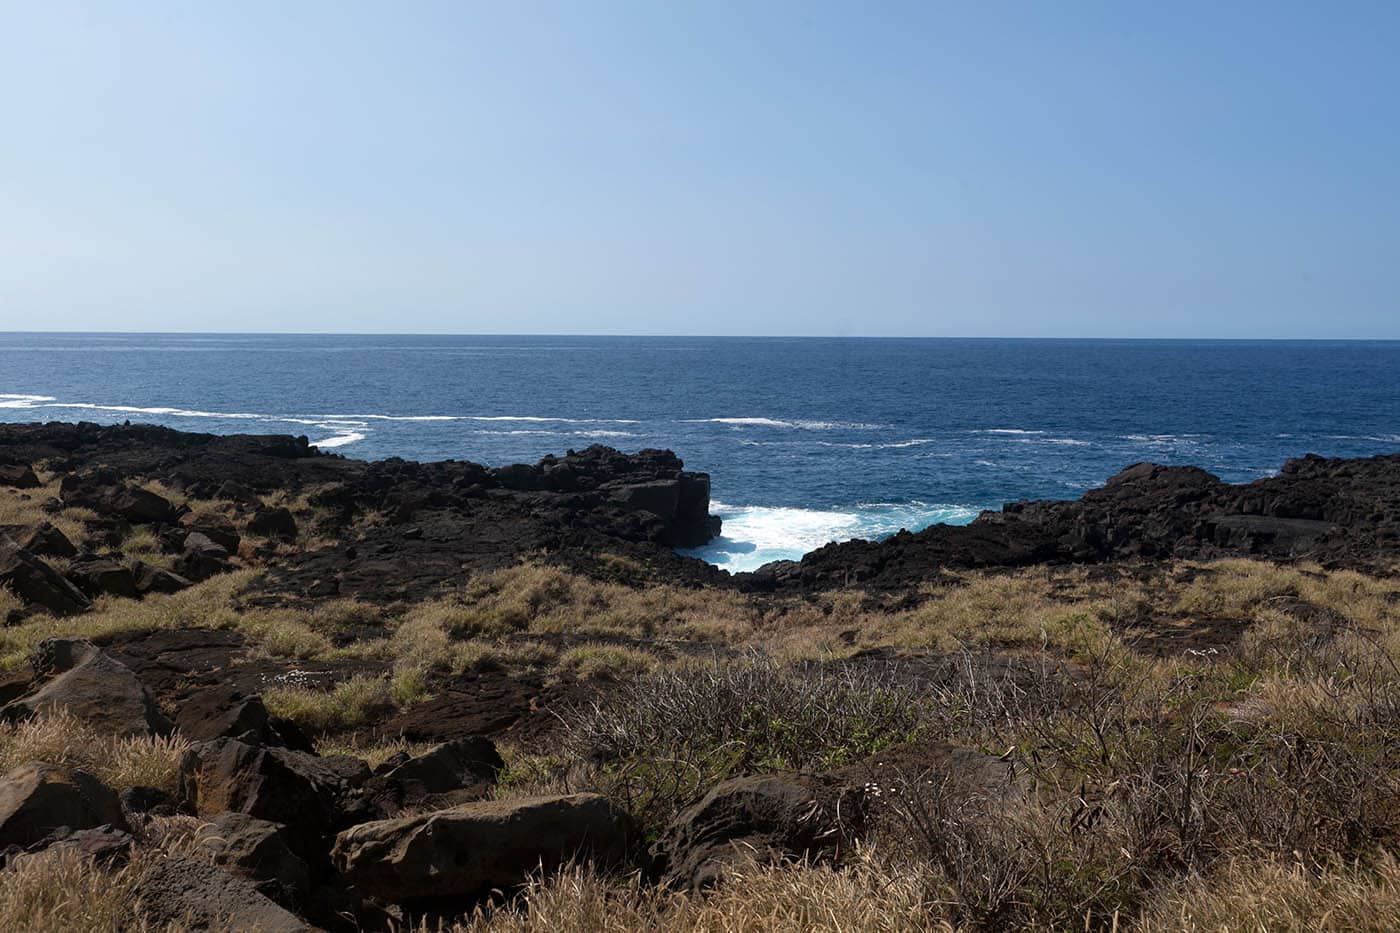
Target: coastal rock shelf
(1338, 512)
(387, 530)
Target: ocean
(807, 440)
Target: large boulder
(18, 476)
(455, 772)
(36, 582)
(202, 558)
(259, 851)
(180, 892)
(299, 790)
(225, 712)
(36, 799)
(91, 686)
(478, 846)
(46, 541)
(98, 576)
(768, 818)
(105, 492)
(215, 528)
(273, 523)
(153, 579)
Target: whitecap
(340, 440)
(1005, 431)
(554, 420)
(779, 423)
(1383, 438)
(755, 535)
(8, 400)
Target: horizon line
(680, 336)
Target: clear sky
(1019, 169)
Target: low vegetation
(1199, 746)
(145, 761)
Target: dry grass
(348, 705)
(24, 507)
(537, 599)
(206, 605)
(63, 892)
(147, 761)
(865, 896)
(606, 662)
(375, 753)
(1251, 895)
(9, 602)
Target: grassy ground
(1205, 746)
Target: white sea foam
(1382, 438)
(536, 432)
(346, 428)
(916, 442)
(554, 420)
(22, 401)
(779, 423)
(1005, 431)
(756, 535)
(340, 440)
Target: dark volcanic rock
(304, 793)
(36, 582)
(455, 772)
(152, 579)
(97, 576)
(1338, 512)
(46, 541)
(36, 799)
(18, 476)
(436, 522)
(273, 523)
(213, 529)
(260, 851)
(180, 892)
(91, 686)
(225, 712)
(107, 492)
(478, 846)
(769, 818)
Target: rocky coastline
(384, 693)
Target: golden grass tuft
(596, 661)
(205, 605)
(1252, 895)
(59, 891)
(866, 896)
(349, 704)
(148, 761)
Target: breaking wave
(755, 535)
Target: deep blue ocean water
(807, 440)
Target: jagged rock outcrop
(1341, 512)
(261, 852)
(86, 683)
(402, 530)
(767, 818)
(454, 772)
(475, 847)
(36, 799)
(35, 582)
(225, 712)
(301, 791)
(186, 893)
(18, 476)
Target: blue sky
(1056, 169)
